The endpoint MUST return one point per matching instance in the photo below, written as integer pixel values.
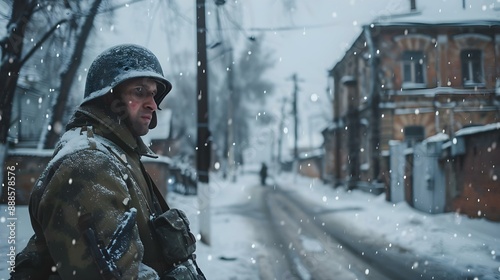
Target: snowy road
(273, 262)
(289, 244)
(326, 246)
(314, 253)
(311, 249)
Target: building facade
(408, 81)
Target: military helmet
(120, 63)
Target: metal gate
(397, 162)
(429, 185)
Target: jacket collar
(110, 126)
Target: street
(319, 245)
(314, 252)
(297, 247)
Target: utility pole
(280, 132)
(295, 113)
(231, 119)
(203, 143)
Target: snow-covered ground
(469, 244)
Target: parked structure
(472, 169)
(442, 174)
(406, 78)
(310, 163)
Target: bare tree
(11, 63)
(251, 85)
(23, 16)
(68, 75)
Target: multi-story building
(406, 78)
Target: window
(413, 69)
(414, 134)
(472, 68)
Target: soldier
(95, 211)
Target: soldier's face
(138, 96)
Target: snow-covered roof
(444, 12)
(31, 152)
(440, 137)
(162, 130)
(477, 129)
(442, 23)
(312, 154)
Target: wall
(29, 166)
(311, 167)
(28, 169)
(466, 182)
(159, 172)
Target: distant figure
(263, 174)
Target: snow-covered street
(242, 244)
(470, 246)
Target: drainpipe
(374, 101)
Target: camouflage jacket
(94, 187)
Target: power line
(289, 28)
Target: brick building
(408, 78)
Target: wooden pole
(203, 146)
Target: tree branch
(42, 40)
